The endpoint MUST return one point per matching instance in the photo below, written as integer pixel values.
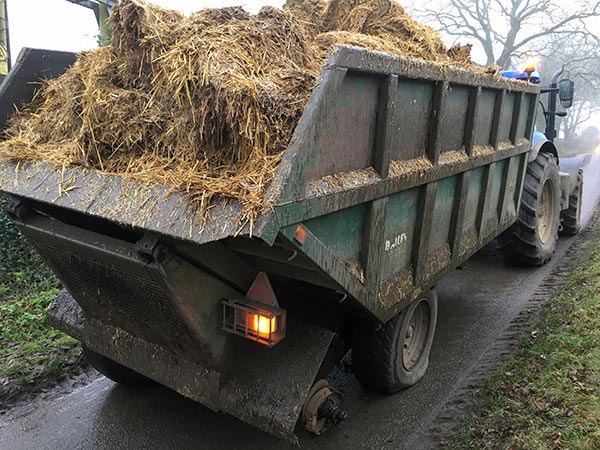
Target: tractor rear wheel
(532, 239)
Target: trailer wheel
(113, 370)
(532, 239)
(396, 356)
(571, 217)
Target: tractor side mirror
(566, 90)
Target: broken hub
(322, 408)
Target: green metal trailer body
(398, 171)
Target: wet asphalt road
(476, 305)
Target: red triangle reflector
(262, 291)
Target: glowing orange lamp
(530, 65)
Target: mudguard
(540, 143)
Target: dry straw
(206, 103)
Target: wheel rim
(415, 339)
(546, 212)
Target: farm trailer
(398, 171)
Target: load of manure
(206, 103)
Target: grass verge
(548, 395)
(31, 353)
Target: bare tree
(579, 59)
(507, 28)
(578, 115)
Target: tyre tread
(374, 353)
(570, 217)
(521, 245)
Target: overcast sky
(61, 25)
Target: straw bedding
(206, 103)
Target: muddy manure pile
(206, 103)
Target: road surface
(476, 306)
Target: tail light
(257, 316)
(252, 321)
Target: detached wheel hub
(322, 408)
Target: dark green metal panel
(507, 210)
(474, 194)
(343, 273)
(526, 110)
(473, 198)
(342, 231)
(352, 115)
(522, 163)
(442, 212)
(487, 103)
(252, 383)
(497, 176)
(529, 118)
(507, 116)
(454, 120)
(414, 108)
(399, 231)
(24, 78)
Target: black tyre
(532, 239)
(571, 217)
(396, 356)
(113, 370)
